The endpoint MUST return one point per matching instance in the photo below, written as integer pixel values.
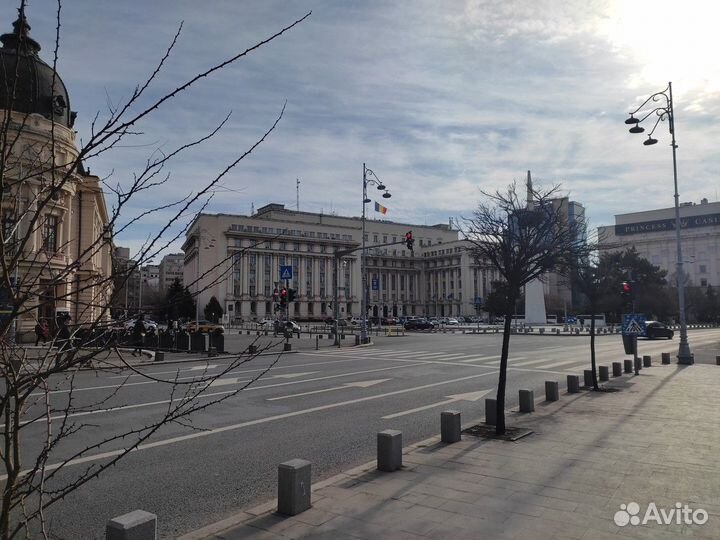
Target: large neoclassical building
(238, 259)
(56, 244)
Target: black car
(418, 324)
(656, 330)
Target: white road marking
(479, 358)
(556, 364)
(359, 384)
(233, 427)
(471, 396)
(497, 362)
(531, 362)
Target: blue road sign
(286, 272)
(478, 300)
(633, 324)
(571, 320)
(375, 284)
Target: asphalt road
(324, 406)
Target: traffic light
(276, 295)
(626, 289)
(283, 296)
(409, 240)
(291, 294)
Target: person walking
(62, 340)
(42, 331)
(138, 334)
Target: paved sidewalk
(654, 441)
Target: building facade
(238, 259)
(56, 241)
(170, 269)
(652, 234)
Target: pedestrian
(62, 340)
(42, 331)
(138, 334)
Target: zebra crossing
(459, 358)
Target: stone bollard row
(588, 377)
(573, 384)
(490, 411)
(666, 358)
(628, 366)
(647, 361)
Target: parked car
(452, 322)
(290, 326)
(149, 325)
(418, 324)
(655, 330)
(266, 322)
(341, 322)
(204, 327)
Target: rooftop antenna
(252, 209)
(297, 193)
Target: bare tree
(42, 174)
(523, 240)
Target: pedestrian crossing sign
(633, 323)
(286, 272)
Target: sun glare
(668, 41)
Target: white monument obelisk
(534, 290)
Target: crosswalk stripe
(531, 362)
(479, 358)
(497, 362)
(563, 363)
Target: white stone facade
(240, 260)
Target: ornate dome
(37, 88)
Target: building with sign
(238, 260)
(652, 234)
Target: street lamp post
(369, 177)
(662, 113)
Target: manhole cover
(488, 432)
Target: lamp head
(636, 129)
(386, 195)
(632, 120)
(366, 201)
(381, 186)
(650, 141)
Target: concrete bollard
(159, 356)
(717, 360)
(604, 373)
(666, 358)
(294, 482)
(552, 390)
(628, 366)
(588, 377)
(389, 450)
(573, 384)
(617, 369)
(638, 364)
(252, 349)
(135, 525)
(527, 401)
(490, 411)
(647, 361)
(450, 426)
(287, 346)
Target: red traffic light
(409, 241)
(626, 289)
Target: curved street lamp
(369, 178)
(664, 111)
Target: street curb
(270, 506)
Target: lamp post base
(684, 356)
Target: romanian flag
(380, 208)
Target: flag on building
(380, 208)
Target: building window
(310, 308)
(50, 228)
(703, 269)
(703, 282)
(283, 245)
(375, 238)
(296, 246)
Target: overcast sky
(441, 99)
